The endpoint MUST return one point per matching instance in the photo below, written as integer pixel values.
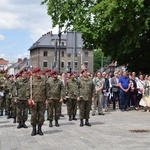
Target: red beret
(71, 73)
(83, 71)
(17, 75)
(43, 73)
(53, 72)
(3, 71)
(47, 70)
(10, 76)
(36, 70)
(29, 73)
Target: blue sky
(22, 22)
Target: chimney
(51, 33)
(19, 60)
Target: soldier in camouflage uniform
(86, 94)
(23, 93)
(14, 94)
(2, 87)
(55, 95)
(39, 98)
(72, 90)
(47, 76)
(8, 92)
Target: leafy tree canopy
(121, 28)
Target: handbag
(147, 100)
(142, 102)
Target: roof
(45, 41)
(3, 62)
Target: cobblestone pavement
(108, 132)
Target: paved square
(108, 132)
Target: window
(45, 53)
(62, 64)
(69, 64)
(69, 55)
(86, 54)
(45, 64)
(76, 64)
(62, 54)
(62, 43)
(86, 64)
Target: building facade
(3, 64)
(47, 52)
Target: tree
(100, 60)
(97, 59)
(121, 28)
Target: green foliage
(121, 28)
(100, 60)
(98, 54)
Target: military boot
(19, 125)
(70, 118)
(50, 123)
(74, 117)
(8, 115)
(56, 123)
(1, 114)
(81, 123)
(40, 130)
(87, 122)
(24, 125)
(33, 130)
(14, 121)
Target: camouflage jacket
(72, 89)
(86, 88)
(39, 89)
(55, 89)
(9, 88)
(2, 84)
(22, 89)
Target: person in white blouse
(140, 87)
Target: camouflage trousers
(47, 110)
(2, 103)
(14, 108)
(37, 113)
(71, 107)
(98, 103)
(54, 108)
(8, 104)
(84, 109)
(22, 110)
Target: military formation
(37, 92)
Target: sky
(22, 23)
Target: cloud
(2, 37)
(30, 15)
(2, 55)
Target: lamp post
(81, 59)
(59, 35)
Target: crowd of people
(38, 91)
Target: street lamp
(80, 52)
(59, 35)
